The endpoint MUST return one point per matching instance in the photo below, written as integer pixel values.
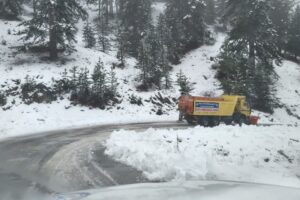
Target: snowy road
(64, 161)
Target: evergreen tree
(280, 16)
(210, 12)
(82, 87)
(183, 82)
(143, 65)
(113, 83)
(220, 7)
(103, 24)
(74, 79)
(249, 51)
(53, 25)
(89, 35)
(163, 36)
(153, 51)
(293, 45)
(185, 19)
(121, 46)
(165, 68)
(10, 8)
(99, 77)
(135, 17)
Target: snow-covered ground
(22, 119)
(16, 118)
(269, 155)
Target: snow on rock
(268, 155)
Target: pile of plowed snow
(253, 154)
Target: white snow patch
(248, 153)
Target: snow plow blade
(254, 120)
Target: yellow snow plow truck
(212, 111)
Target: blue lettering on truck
(206, 107)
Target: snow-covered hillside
(17, 118)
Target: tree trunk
(252, 54)
(117, 8)
(52, 34)
(111, 8)
(34, 7)
(99, 9)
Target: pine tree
(163, 36)
(83, 87)
(10, 8)
(220, 8)
(121, 47)
(135, 18)
(280, 16)
(249, 51)
(104, 43)
(183, 82)
(153, 51)
(103, 23)
(293, 44)
(113, 83)
(53, 25)
(234, 73)
(210, 12)
(74, 75)
(185, 19)
(99, 77)
(89, 35)
(143, 65)
(165, 68)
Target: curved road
(64, 161)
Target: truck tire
(189, 120)
(204, 121)
(228, 122)
(214, 121)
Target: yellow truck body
(225, 106)
(211, 111)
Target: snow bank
(253, 154)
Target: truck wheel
(204, 121)
(228, 122)
(244, 120)
(214, 121)
(189, 120)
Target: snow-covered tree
(135, 17)
(185, 19)
(163, 37)
(89, 35)
(99, 77)
(186, 87)
(143, 65)
(10, 8)
(249, 51)
(293, 45)
(53, 25)
(113, 83)
(280, 14)
(210, 12)
(82, 91)
(121, 46)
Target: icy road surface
(64, 161)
